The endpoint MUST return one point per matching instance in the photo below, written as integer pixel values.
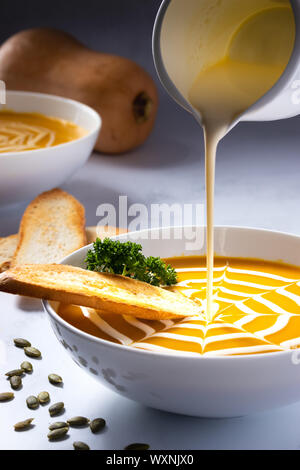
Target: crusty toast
(107, 292)
(8, 247)
(53, 226)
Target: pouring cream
(228, 57)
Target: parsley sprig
(128, 260)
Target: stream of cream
(225, 89)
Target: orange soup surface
(256, 310)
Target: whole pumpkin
(52, 61)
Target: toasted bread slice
(8, 247)
(107, 292)
(53, 226)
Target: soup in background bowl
(26, 173)
(21, 132)
(204, 375)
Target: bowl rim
(94, 114)
(166, 354)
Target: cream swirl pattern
(256, 310)
(21, 132)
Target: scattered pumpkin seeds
(57, 429)
(15, 382)
(97, 425)
(137, 446)
(32, 402)
(56, 409)
(58, 425)
(6, 396)
(32, 352)
(57, 433)
(78, 421)
(11, 373)
(43, 397)
(78, 445)
(23, 424)
(22, 343)
(55, 379)
(26, 367)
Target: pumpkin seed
(43, 397)
(78, 445)
(56, 409)
(32, 352)
(23, 424)
(55, 379)
(32, 402)
(137, 446)
(6, 396)
(58, 425)
(97, 424)
(22, 343)
(78, 421)
(15, 382)
(57, 433)
(26, 367)
(11, 373)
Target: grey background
(257, 184)
(258, 163)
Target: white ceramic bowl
(197, 386)
(23, 175)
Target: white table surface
(257, 185)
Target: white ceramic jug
(169, 50)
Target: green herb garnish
(115, 257)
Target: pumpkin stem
(142, 107)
